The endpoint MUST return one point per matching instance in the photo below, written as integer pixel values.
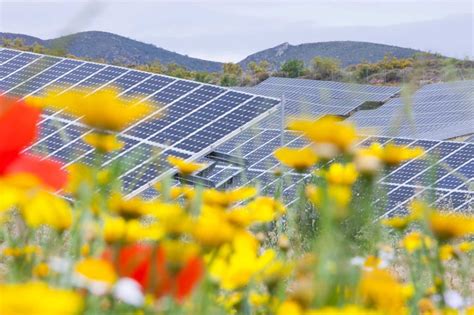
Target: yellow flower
(114, 229)
(448, 226)
(79, 175)
(290, 307)
(278, 270)
(85, 250)
(327, 132)
(372, 262)
(446, 252)
(348, 309)
(465, 247)
(341, 174)
(258, 299)
(266, 209)
(187, 192)
(260, 210)
(224, 199)
(132, 208)
(102, 110)
(172, 218)
(27, 251)
(298, 159)
(185, 168)
(138, 231)
(398, 223)
(47, 209)
(9, 197)
(394, 154)
(339, 195)
(95, 274)
(103, 142)
(390, 155)
(414, 241)
(36, 298)
(419, 210)
(426, 307)
(212, 229)
(235, 270)
(380, 289)
(179, 252)
(41, 270)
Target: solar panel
(316, 98)
(436, 111)
(448, 174)
(195, 119)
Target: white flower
(59, 264)
(129, 291)
(386, 254)
(357, 261)
(453, 299)
(95, 287)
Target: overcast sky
(229, 30)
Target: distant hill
(348, 52)
(113, 48)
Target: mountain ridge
(113, 48)
(347, 52)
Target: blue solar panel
(194, 116)
(17, 63)
(7, 54)
(44, 78)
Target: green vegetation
(422, 68)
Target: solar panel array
(436, 111)
(196, 117)
(199, 119)
(315, 98)
(448, 176)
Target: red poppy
(18, 129)
(148, 267)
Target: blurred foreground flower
(299, 159)
(18, 130)
(38, 299)
(102, 110)
(330, 135)
(183, 167)
(147, 265)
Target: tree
(232, 75)
(293, 68)
(260, 71)
(229, 80)
(325, 68)
(232, 69)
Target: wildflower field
(71, 243)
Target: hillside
(348, 52)
(113, 48)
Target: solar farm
(237, 131)
(150, 194)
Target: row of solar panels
(316, 98)
(437, 111)
(446, 171)
(195, 116)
